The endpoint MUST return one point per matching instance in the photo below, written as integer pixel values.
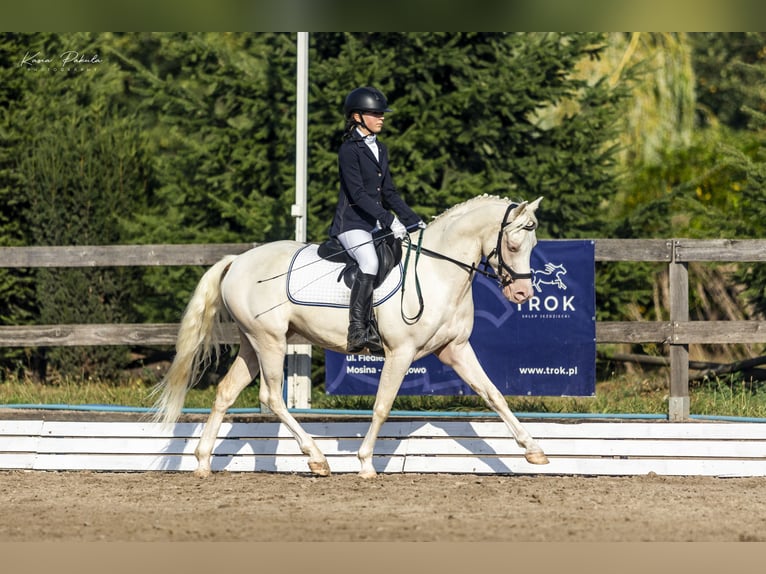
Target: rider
(366, 195)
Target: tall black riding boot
(359, 314)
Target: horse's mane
(467, 202)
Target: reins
(471, 268)
(421, 306)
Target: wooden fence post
(678, 403)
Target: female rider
(365, 201)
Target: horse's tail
(196, 345)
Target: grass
(621, 395)
(734, 396)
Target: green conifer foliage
(466, 121)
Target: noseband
(505, 273)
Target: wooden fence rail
(678, 332)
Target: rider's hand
(421, 224)
(399, 231)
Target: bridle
(506, 274)
(504, 277)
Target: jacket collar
(358, 139)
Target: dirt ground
(261, 507)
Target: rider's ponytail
(350, 126)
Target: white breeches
(359, 245)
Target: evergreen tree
(747, 166)
(728, 78)
(16, 285)
(218, 109)
(80, 167)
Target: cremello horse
(251, 287)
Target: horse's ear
(533, 206)
(518, 210)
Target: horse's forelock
(524, 218)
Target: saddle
(388, 248)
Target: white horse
(251, 287)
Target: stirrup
(356, 340)
(374, 347)
(373, 340)
(360, 343)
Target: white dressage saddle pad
(312, 280)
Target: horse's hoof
(536, 457)
(367, 474)
(202, 473)
(320, 468)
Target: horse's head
(515, 241)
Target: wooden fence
(678, 332)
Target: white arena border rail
(725, 449)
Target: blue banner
(544, 347)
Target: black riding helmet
(367, 99)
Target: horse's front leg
(391, 378)
(462, 359)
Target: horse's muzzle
(518, 291)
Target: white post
(298, 382)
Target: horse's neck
(466, 232)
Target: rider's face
(373, 121)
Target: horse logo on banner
(551, 275)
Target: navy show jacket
(367, 193)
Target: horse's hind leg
(272, 365)
(242, 372)
(462, 359)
